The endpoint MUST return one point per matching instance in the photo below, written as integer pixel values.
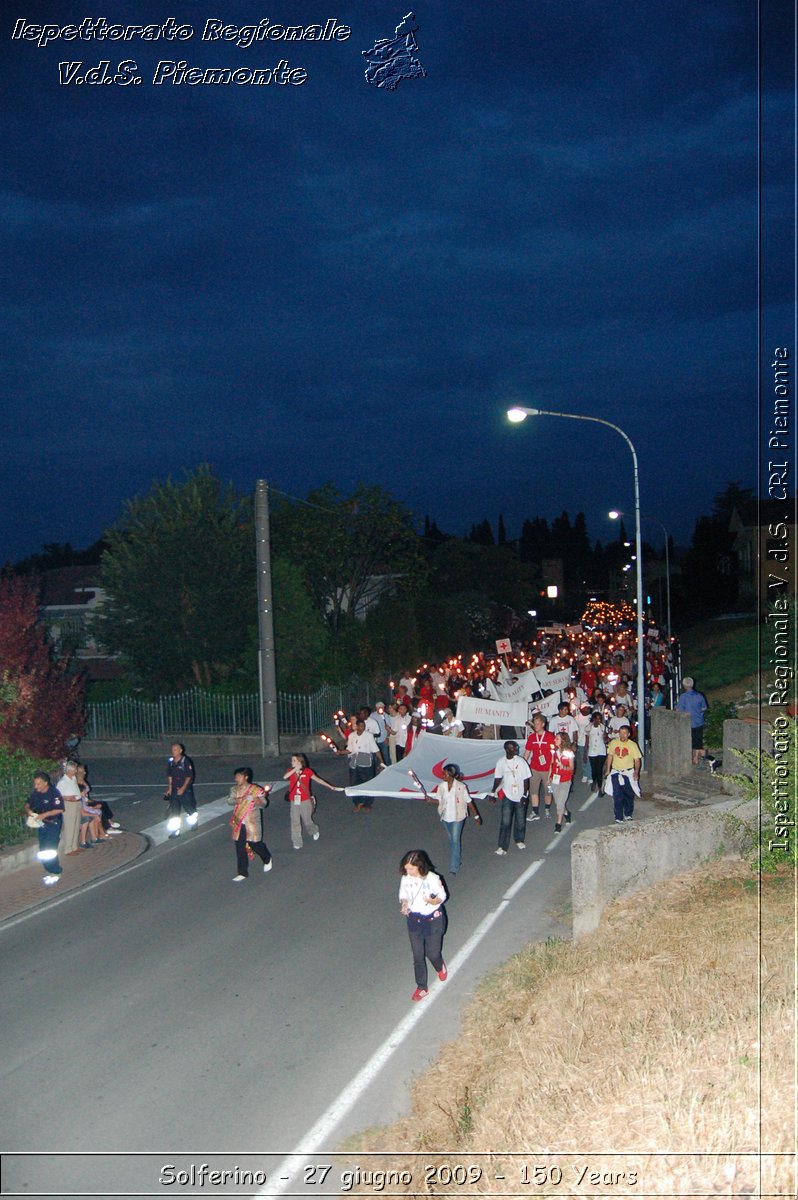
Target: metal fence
(203, 712)
(14, 791)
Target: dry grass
(644, 1037)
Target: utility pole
(267, 675)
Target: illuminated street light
(519, 413)
(614, 514)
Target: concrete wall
(744, 735)
(607, 864)
(671, 752)
(198, 746)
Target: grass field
(668, 1033)
(723, 658)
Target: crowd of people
(594, 730)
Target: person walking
(180, 790)
(694, 703)
(454, 805)
(596, 751)
(538, 753)
(300, 798)
(421, 898)
(364, 760)
(561, 777)
(622, 767)
(511, 786)
(249, 800)
(44, 811)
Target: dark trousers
(426, 941)
(49, 837)
(242, 858)
(187, 802)
(597, 762)
(362, 775)
(513, 815)
(623, 797)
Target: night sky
(336, 282)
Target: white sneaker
(315, 837)
(521, 845)
(115, 825)
(113, 832)
(500, 851)
(238, 878)
(267, 866)
(49, 880)
(191, 819)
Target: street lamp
(520, 413)
(614, 515)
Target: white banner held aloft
(491, 712)
(522, 689)
(475, 757)
(547, 706)
(553, 683)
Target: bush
(16, 783)
(713, 726)
(773, 785)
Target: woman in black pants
(421, 898)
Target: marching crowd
(595, 731)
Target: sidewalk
(21, 887)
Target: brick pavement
(22, 889)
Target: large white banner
(476, 759)
(526, 683)
(553, 683)
(547, 707)
(491, 712)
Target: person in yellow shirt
(622, 766)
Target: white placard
(491, 712)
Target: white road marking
(589, 801)
(158, 833)
(315, 1139)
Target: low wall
(744, 734)
(671, 747)
(607, 864)
(197, 745)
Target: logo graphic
(393, 59)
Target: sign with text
(491, 712)
(553, 683)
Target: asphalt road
(168, 1010)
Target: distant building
(70, 597)
(764, 551)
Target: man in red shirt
(538, 753)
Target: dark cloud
(336, 282)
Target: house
(764, 551)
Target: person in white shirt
(582, 718)
(620, 719)
(454, 805)
(421, 898)
(399, 725)
(596, 751)
(69, 789)
(511, 782)
(364, 759)
(565, 723)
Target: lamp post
(614, 514)
(518, 414)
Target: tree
(179, 578)
(347, 547)
(41, 702)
